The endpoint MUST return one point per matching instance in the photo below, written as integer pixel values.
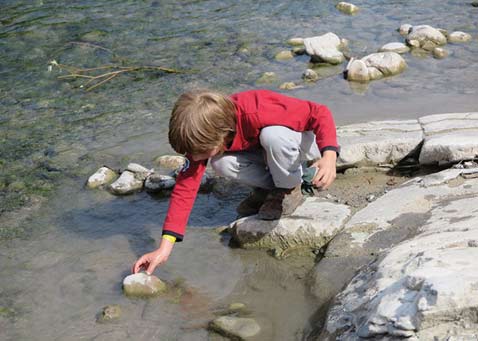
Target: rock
(375, 66)
(236, 327)
(347, 8)
(422, 283)
(139, 171)
(474, 3)
(440, 53)
(311, 226)
(310, 75)
(413, 43)
(298, 50)
(394, 47)
(237, 306)
(405, 29)
(127, 183)
(170, 162)
(459, 37)
(426, 33)
(428, 46)
(324, 48)
(143, 285)
(295, 41)
(109, 313)
(284, 55)
(449, 138)
(289, 86)
(267, 78)
(377, 142)
(101, 177)
(157, 182)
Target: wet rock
(296, 41)
(127, 183)
(440, 53)
(109, 313)
(170, 162)
(375, 66)
(377, 142)
(139, 171)
(289, 86)
(298, 50)
(421, 283)
(311, 226)
(158, 182)
(143, 285)
(347, 8)
(394, 47)
(405, 29)
(284, 55)
(237, 306)
(426, 33)
(459, 37)
(325, 48)
(449, 138)
(310, 75)
(267, 78)
(413, 43)
(101, 177)
(236, 327)
(474, 3)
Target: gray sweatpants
(277, 164)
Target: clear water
(70, 260)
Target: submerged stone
(459, 37)
(110, 313)
(127, 183)
(347, 8)
(296, 41)
(284, 55)
(236, 327)
(267, 78)
(310, 75)
(101, 177)
(394, 47)
(143, 285)
(289, 86)
(440, 53)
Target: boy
(259, 138)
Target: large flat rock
(449, 138)
(312, 226)
(377, 142)
(424, 288)
(391, 219)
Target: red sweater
(255, 110)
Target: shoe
(252, 203)
(307, 177)
(281, 202)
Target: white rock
(236, 327)
(170, 162)
(143, 285)
(459, 37)
(325, 48)
(439, 53)
(394, 47)
(312, 225)
(296, 41)
(377, 142)
(310, 75)
(357, 71)
(127, 183)
(347, 8)
(449, 137)
(102, 176)
(137, 168)
(426, 33)
(405, 29)
(378, 65)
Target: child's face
(206, 155)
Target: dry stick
(103, 81)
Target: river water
(61, 265)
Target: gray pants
(277, 164)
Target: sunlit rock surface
(143, 285)
(325, 48)
(101, 177)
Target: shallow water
(58, 274)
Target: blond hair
(201, 121)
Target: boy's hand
(327, 171)
(151, 260)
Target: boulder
(170, 162)
(394, 47)
(143, 285)
(377, 142)
(236, 327)
(347, 8)
(426, 33)
(424, 287)
(459, 37)
(101, 177)
(375, 66)
(325, 48)
(310, 227)
(127, 183)
(449, 137)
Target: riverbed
(60, 264)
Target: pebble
(109, 313)
(370, 197)
(284, 55)
(440, 53)
(347, 8)
(310, 75)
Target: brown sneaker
(281, 202)
(252, 203)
